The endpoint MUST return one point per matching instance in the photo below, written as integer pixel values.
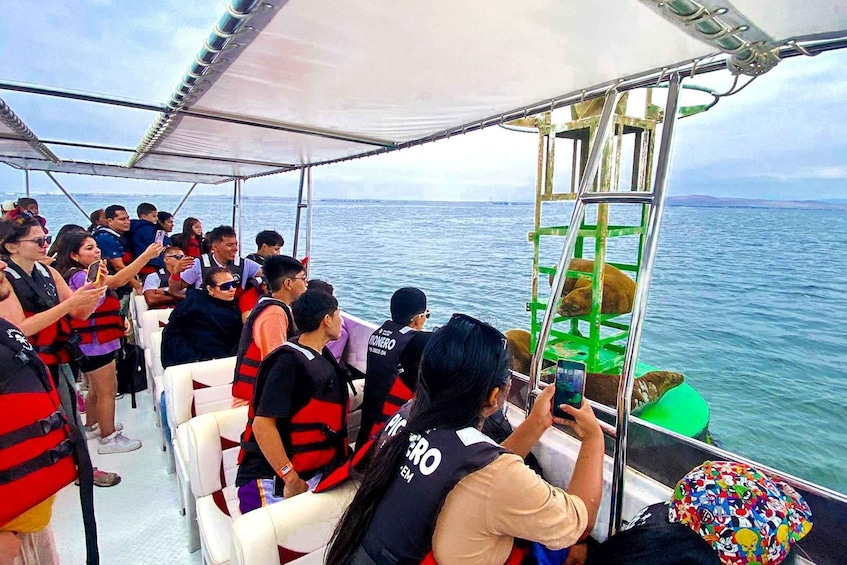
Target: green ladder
(596, 339)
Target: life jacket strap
(49, 457)
(36, 429)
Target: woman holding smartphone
(440, 489)
(78, 260)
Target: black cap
(407, 303)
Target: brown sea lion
(618, 291)
(647, 389)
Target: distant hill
(702, 201)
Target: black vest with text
(384, 348)
(404, 522)
(236, 267)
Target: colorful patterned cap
(748, 517)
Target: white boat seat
(153, 321)
(211, 448)
(358, 333)
(296, 530)
(191, 390)
(138, 306)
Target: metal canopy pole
(300, 207)
(184, 198)
(26, 181)
(585, 184)
(309, 221)
(240, 210)
(234, 200)
(66, 193)
(639, 306)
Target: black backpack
(132, 376)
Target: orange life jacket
(106, 322)
(249, 356)
(37, 293)
(315, 436)
(36, 453)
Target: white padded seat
(211, 442)
(358, 333)
(191, 390)
(153, 321)
(138, 306)
(296, 530)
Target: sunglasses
(491, 330)
(225, 286)
(40, 241)
(177, 257)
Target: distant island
(702, 201)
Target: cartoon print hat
(748, 517)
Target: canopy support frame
(184, 198)
(68, 194)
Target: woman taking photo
(100, 335)
(191, 238)
(441, 489)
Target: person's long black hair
(462, 363)
(181, 239)
(70, 242)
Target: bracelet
(285, 469)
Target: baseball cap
(7, 206)
(747, 516)
(406, 303)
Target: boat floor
(138, 520)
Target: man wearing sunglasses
(394, 355)
(155, 289)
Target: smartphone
(92, 275)
(160, 236)
(279, 487)
(570, 386)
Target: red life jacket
(36, 453)
(249, 356)
(399, 395)
(315, 436)
(106, 322)
(38, 293)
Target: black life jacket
(38, 293)
(315, 436)
(249, 356)
(164, 276)
(382, 398)
(127, 257)
(403, 525)
(236, 267)
(105, 322)
(36, 452)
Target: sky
(781, 138)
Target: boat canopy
(285, 84)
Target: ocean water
(750, 304)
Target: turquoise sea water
(748, 303)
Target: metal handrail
(639, 306)
(591, 168)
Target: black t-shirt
(284, 387)
(410, 359)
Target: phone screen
(570, 385)
(92, 275)
(160, 237)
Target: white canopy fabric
(16, 140)
(108, 170)
(312, 81)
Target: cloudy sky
(782, 138)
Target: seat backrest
(213, 441)
(140, 306)
(359, 332)
(295, 530)
(198, 388)
(151, 321)
(156, 353)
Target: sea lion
(600, 387)
(618, 291)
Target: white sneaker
(117, 443)
(92, 432)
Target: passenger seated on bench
(736, 513)
(441, 489)
(268, 244)
(205, 325)
(269, 324)
(335, 346)
(394, 355)
(297, 430)
(155, 289)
